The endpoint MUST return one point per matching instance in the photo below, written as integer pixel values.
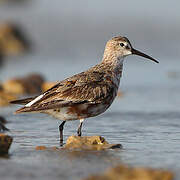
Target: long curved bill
(136, 52)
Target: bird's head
(121, 47)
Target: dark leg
(61, 127)
(79, 128)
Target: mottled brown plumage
(88, 93)
(92, 87)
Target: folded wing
(81, 88)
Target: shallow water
(67, 40)
(145, 120)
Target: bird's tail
(22, 101)
(23, 110)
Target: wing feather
(81, 88)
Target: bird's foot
(79, 133)
(61, 143)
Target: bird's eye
(121, 44)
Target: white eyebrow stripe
(35, 100)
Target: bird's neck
(114, 63)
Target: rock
(48, 85)
(1, 87)
(5, 98)
(46, 148)
(1, 58)
(41, 147)
(14, 86)
(3, 120)
(123, 172)
(84, 143)
(89, 143)
(5, 143)
(12, 40)
(30, 84)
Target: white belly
(62, 114)
(78, 112)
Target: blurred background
(61, 38)
(65, 38)
(77, 32)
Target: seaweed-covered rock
(13, 41)
(30, 84)
(5, 143)
(89, 143)
(123, 172)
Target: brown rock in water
(14, 86)
(48, 85)
(30, 84)
(5, 98)
(84, 143)
(123, 172)
(89, 143)
(5, 143)
(13, 41)
(41, 147)
(46, 148)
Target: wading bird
(88, 93)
